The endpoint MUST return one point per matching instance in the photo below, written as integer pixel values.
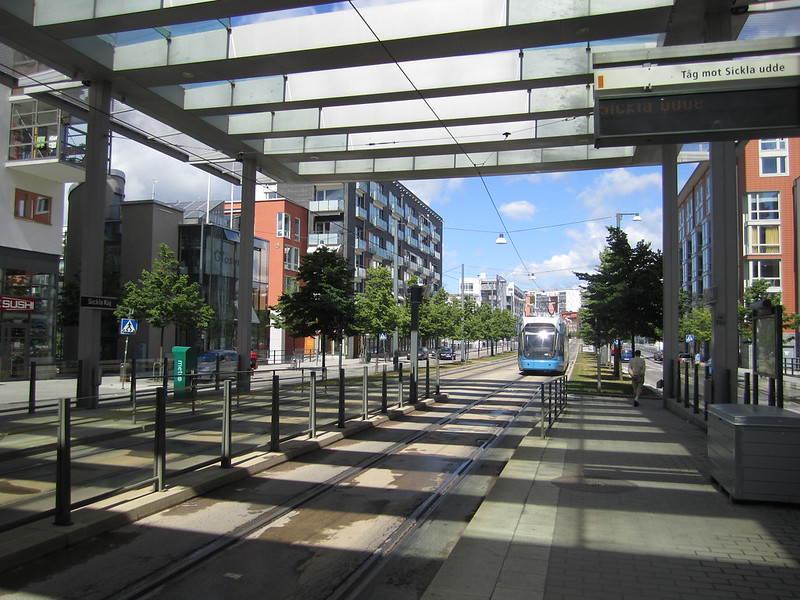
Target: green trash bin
(185, 361)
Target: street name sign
(101, 302)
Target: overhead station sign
(730, 99)
(729, 74)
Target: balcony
(318, 206)
(379, 223)
(361, 213)
(360, 272)
(325, 239)
(360, 244)
(46, 142)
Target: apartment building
(44, 149)
(374, 224)
(768, 199)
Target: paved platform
(618, 503)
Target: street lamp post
(636, 217)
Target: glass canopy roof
(367, 89)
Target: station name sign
(697, 100)
(101, 302)
(711, 116)
(17, 303)
(722, 74)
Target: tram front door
(14, 350)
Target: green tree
(324, 303)
(438, 316)
(759, 290)
(623, 298)
(377, 311)
(164, 296)
(696, 322)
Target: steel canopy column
(92, 237)
(671, 266)
(725, 244)
(724, 293)
(245, 297)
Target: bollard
(755, 388)
(438, 380)
(160, 440)
(32, 389)
(400, 385)
(63, 458)
(678, 384)
(225, 458)
(275, 423)
(384, 391)
(365, 395)
(696, 402)
(427, 377)
(312, 406)
(686, 385)
(747, 387)
(340, 420)
(133, 387)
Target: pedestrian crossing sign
(128, 326)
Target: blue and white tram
(543, 345)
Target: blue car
(626, 355)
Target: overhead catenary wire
(445, 127)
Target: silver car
(207, 364)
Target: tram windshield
(539, 341)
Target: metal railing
(81, 455)
(553, 396)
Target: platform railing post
(384, 391)
(275, 423)
(365, 394)
(312, 405)
(160, 440)
(400, 385)
(63, 465)
(225, 461)
(32, 388)
(340, 420)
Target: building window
(763, 206)
(291, 258)
(769, 270)
(774, 157)
(297, 229)
(32, 207)
(763, 239)
(284, 227)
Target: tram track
(358, 577)
(379, 497)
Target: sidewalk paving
(618, 503)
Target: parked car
(423, 353)
(207, 364)
(658, 356)
(685, 357)
(626, 355)
(446, 353)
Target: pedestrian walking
(636, 369)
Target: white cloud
(147, 171)
(435, 191)
(602, 196)
(520, 209)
